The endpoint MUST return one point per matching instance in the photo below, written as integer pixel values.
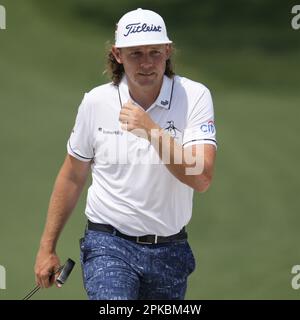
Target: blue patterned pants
(118, 269)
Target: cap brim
(141, 43)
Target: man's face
(144, 65)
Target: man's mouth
(146, 74)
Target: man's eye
(134, 53)
(156, 52)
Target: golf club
(64, 270)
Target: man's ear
(117, 54)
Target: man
(149, 139)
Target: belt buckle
(145, 242)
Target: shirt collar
(163, 100)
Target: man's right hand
(45, 265)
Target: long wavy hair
(116, 70)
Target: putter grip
(65, 272)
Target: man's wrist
(48, 246)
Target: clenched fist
(135, 119)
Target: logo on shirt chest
(171, 129)
(114, 132)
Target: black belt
(147, 239)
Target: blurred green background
(245, 229)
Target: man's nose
(146, 61)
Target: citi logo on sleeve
(208, 127)
(139, 27)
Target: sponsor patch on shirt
(116, 132)
(171, 129)
(208, 127)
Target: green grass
(244, 230)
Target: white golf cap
(139, 28)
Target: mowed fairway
(245, 229)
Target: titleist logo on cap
(139, 27)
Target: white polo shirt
(132, 189)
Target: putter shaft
(36, 289)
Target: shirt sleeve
(200, 128)
(80, 143)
